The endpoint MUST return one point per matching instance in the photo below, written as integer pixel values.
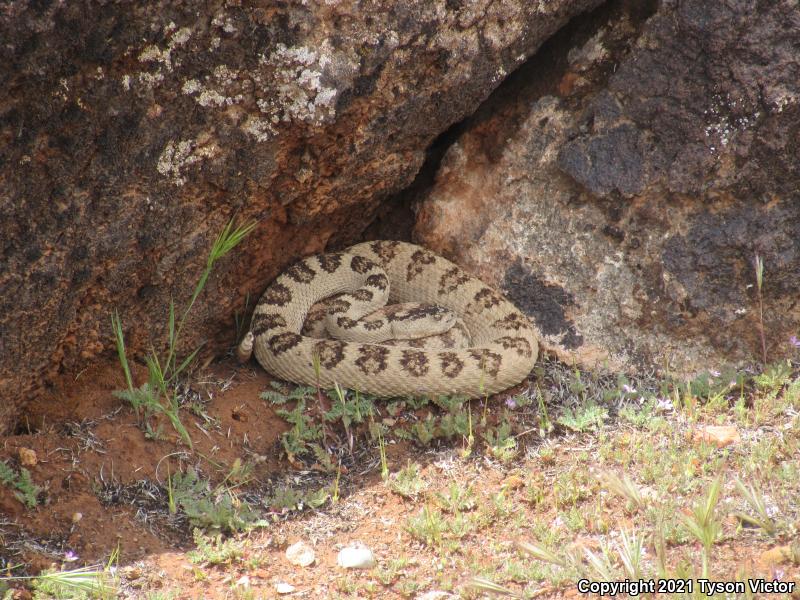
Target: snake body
(503, 346)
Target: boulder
(620, 186)
(130, 133)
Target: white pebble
(300, 554)
(356, 556)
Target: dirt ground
(88, 445)
(104, 491)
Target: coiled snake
(502, 351)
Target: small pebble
(284, 588)
(131, 572)
(27, 457)
(300, 554)
(719, 435)
(513, 482)
(355, 556)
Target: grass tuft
(158, 395)
(757, 503)
(703, 524)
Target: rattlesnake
(504, 345)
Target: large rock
(131, 132)
(621, 189)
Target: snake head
(416, 320)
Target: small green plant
(567, 561)
(587, 417)
(392, 571)
(501, 506)
(25, 490)
(571, 487)
(755, 499)
(171, 504)
(213, 550)
(774, 377)
(640, 416)
(382, 449)
(602, 564)
(76, 584)
(349, 407)
(577, 386)
(296, 441)
(502, 445)
(240, 472)
(428, 526)
(470, 438)
(336, 481)
(703, 524)
(206, 507)
(162, 595)
(458, 498)
(454, 424)
(574, 519)
(408, 482)
(317, 498)
(158, 395)
(324, 458)
(623, 487)
(451, 404)
(425, 430)
(487, 585)
(631, 553)
(286, 498)
(278, 394)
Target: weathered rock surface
(131, 132)
(626, 178)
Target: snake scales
(503, 346)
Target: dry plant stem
(761, 329)
(320, 399)
(759, 266)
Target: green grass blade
(755, 499)
(172, 413)
(488, 585)
(216, 248)
(542, 553)
(93, 581)
(116, 325)
(156, 373)
(225, 242)
(201, 283)
(228, 240)
(171, 330)
(600, 564)
(155, 396)
(713, 498)
(186, 362)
